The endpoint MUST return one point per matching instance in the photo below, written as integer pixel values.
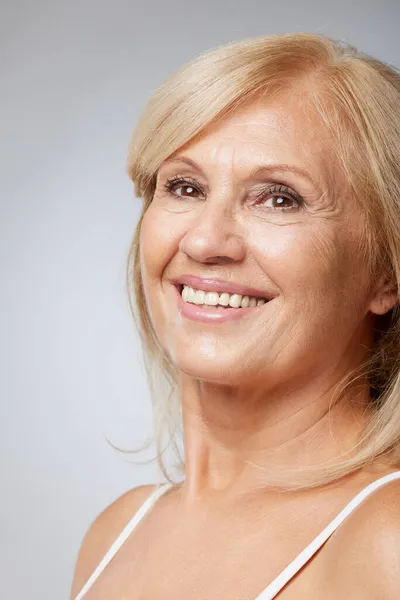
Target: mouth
(221, 300)
(206, 307)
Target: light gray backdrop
(74, 77)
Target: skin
(257, 391)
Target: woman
(266, 267)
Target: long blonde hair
(358, 99)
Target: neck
(237, 440)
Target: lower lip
(212, 314)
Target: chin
(210, 367)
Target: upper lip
(219, 285)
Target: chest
(221, 560)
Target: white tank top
(282, 579)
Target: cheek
(310, 264)
(158, 242)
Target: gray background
(74, 77)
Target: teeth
(235, 300)
(215, 299)
(224, 299)
(199, 297)
(245, 302)
(211, 299)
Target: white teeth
(245, 302)
(235, 300)
(215, 299)
(199, 297)
(211, 299)
(224, 299)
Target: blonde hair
(357, 97)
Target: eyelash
(275, 188)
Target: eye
(275, 192)
(283, 196)
(176, 183)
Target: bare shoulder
(103, 532)
(368, 546)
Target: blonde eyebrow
(256, 171)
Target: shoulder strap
(146, 506)
(277, 584)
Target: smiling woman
(265, 273)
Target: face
(261, 203)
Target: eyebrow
(257, 170)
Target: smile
(212, 307)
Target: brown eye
(280, 202)
(172, 185)
(282, 198)
(189, 190)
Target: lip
(219, 285)
(211, 314)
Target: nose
(214, 236)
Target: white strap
(276, 586)
(123, 537)
(270, 592)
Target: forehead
(288, 131)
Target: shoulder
(368, 546)
(103, 532)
